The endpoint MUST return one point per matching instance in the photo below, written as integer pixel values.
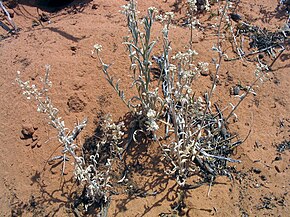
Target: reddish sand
(31, 187)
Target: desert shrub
(196, 137)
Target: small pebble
(256, 170)
(27, 131)
(34, 137)
(277, 169)
(235, 17)
(95, 6)
(205, 72)
(264, 178)
(278, 158)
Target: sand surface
(31, 187)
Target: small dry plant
(92, 166)
(147, 105)
(194, 7)
(197, 135)
(201, 141)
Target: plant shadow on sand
(145, 173)
(46, 202)
(280, 13)
(138, 172)
(51, 5)
(141, 165)
(146, 177)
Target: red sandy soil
(31, 187)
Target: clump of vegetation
(92, 165)
(249, 40)
(196, 137)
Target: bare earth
(31, 187)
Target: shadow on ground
(47, 5)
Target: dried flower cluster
(196, 5)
